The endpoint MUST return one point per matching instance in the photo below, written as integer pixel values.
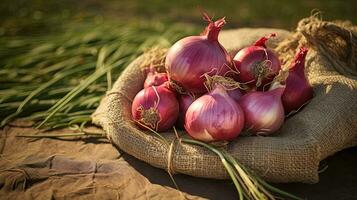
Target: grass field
(21, 17)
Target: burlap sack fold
(326, 125)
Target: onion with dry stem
(256, 64)
(155, 107)
(191, 57)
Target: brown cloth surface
(70, 168)
(92, 168)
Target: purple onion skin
(191, 57)
(298, 90)
(214, 117)
(263, 111)
(235, 94)
(246, 61)
(155, 79)
(167, 107)
(184, 102)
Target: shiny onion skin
(298, 90)
(155, 79)
(184, 102)
(191, 57)
(214, 117)
(155, 107)
(263, 111)
(256, 64)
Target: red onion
(298, 90)
(184, 102)
(257, 64)
(192, 57)
(155, 79)
(214, 116)
(155, 107)
(235, 94)
(263, 111)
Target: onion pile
(197, 95)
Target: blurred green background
(24, 17)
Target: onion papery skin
(235, 94)
(155, 79)
(298, 90)
(155, 107)
(263, 111)
(192, 57)
(184, 102)
(214, 117)
(256, 64)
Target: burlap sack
(326, 125)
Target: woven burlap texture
(326, 125)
